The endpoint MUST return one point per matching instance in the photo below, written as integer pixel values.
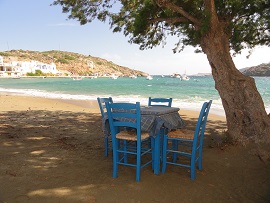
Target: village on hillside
(24, 63)
(21, 68)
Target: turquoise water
(186, 94)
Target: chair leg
(162, 134)
(152, 140)
(115, 144)
(138, 166)
(200, 159)
(157, 153)
(164, 153)
(193, 165)
(192, 171)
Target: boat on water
(184, 77)
(16, 77)
(93, 77)
(133, 76)
(149, 77)
(114, 77)
(181, 76)
(77, 78)
(176, 75)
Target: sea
(188, 95)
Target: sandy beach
(52, 151)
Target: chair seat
(131, 135)
(181, 133)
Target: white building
(1, 60)
(19, 68)
(46, 68)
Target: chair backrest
(101, 103)
(200, 127)
(160, 102)
(124, 115)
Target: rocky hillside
(260, 70)
(71, 63)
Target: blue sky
(37, 26)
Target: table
(153, 118)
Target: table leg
(157, 154)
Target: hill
(260, 70)
(73, 63)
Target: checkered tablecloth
(153, 118)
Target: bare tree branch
(210, 6)
(170, 20)
(169, 5)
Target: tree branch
(210, 6)
(170, 20)
(177, 9)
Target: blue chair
(160, 102)
(103, 111)
(191, 143)
(122, 118)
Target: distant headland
(16, 63)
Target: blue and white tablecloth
(153, 118)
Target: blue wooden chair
(191, 143)
(126, 142)
(103, 111)
(160, 102)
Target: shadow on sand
(58, 156)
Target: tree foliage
(37, 73)
(149, 22)
(215, 27)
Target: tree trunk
(243, 105)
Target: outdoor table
(153, 118)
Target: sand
(52, 151)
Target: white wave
(190, 103)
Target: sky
(35, 25)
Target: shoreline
(91, 89)
(10, 101)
